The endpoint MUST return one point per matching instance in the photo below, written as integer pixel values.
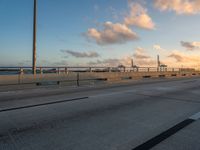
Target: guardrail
(58, 70)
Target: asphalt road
(106, 118)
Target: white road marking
(195, 116)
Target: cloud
(160, 50)
(81, 54)
(113, 62)
(142, 58)
(179, 6)
(145, 63)
(112, 34)
(139, 17)
(157, 47)
(177, 56)
(189, 60)
(191, 45)
(120, 33)
(140, 54)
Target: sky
(101, 32)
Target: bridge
(126, 110)
(158, 113)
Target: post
(41, 71)
(21, 72)
(90, 69)
(78, 79)
(66, 71)
(109, 69)
(34, 37)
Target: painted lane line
(195, 116)
(42, 104)
(166, 134)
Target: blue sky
(63, 28)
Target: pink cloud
(179, 6)
(139, 17)
(111, 34)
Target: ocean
(9, 72)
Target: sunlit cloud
(183, 57)
(157, 47)
(178, 58)
(179, 6)
(90, 54)
(140, 54)
(191, 45)
(142, 58)
(122, 32)
(160, 50)
(112, 34)
(113, 62)
(139, 17)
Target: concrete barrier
(72, 76)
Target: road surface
(122, 117)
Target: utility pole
(34, 37)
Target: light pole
(34, 36)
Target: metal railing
(58, 70)
(56, 75)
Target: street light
(34, 36)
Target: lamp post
(34, 36)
